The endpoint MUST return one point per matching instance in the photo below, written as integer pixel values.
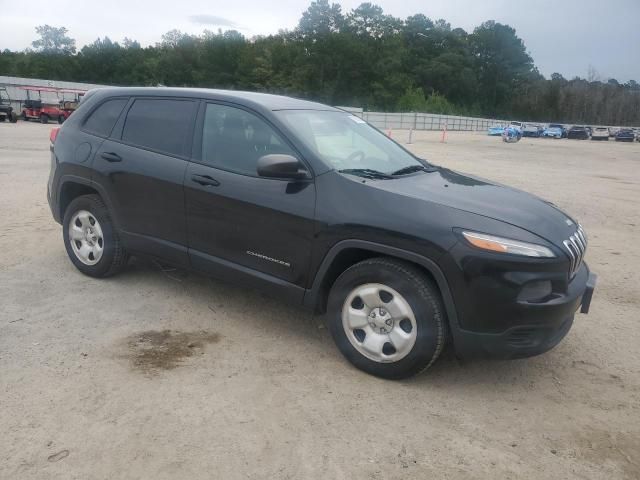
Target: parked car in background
(552, 132)
(495, 131)
(518, 125)
(532, 130)
(613, 131)
(600, 133)
(625, 135)
(578, 133)
(562, 128)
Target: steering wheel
(359, 154)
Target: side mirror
(277, 165)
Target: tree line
(363, 58)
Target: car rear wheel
(386, 317)
(91, 239)
(60, 119)
(44, 118)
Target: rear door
(242, 226)
(142, 167)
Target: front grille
(576, 246)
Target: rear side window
(159, 124)
(103, 118)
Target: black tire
(114, 257)
(2, 119)
(13, 118)
(44, 118)
(60, 119)
(419, 292)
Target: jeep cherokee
(314, 205)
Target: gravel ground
(165, 374)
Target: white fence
(428, 121)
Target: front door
(241, 226)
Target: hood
(482, 197)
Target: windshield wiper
(411, 169)
(366, 172)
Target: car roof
(252, 99)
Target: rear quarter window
(103, 118)
(159, 124)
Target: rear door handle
(205, 180)
(111, 157)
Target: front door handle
(111, 157)
(205, 180)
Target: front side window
(234, 139)
(346, 142)
(159, 124)
(103, 118)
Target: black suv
(312, 204)
(579, 133)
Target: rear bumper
(553, 320)
(51, 193)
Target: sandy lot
(166, 374)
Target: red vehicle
(35, 109)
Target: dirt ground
(164, 374)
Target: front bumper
(536, 327)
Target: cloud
(214, 20)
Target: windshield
(347, 142)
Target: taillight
(54, 134)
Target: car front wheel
(91, 239)
(386, 317)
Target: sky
(565, 36)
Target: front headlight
(506, 245)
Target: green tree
(363, 57)
(321, 19)
(54, 40)
(501, 62)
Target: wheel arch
(349, 252)
(72, 187)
